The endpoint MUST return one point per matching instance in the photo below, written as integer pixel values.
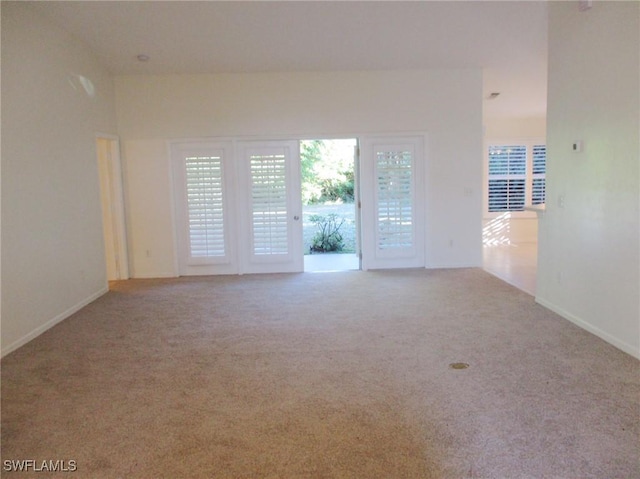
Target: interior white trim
(622, 345)
(117, 197)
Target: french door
(392, 170)
(271, 219)
(205, 208)
(239, 210)
(238, 207)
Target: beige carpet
(337, 375)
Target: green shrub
(328, 237)
(338, 189)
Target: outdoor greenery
(328, 237)
(344, 211)
(327, 174)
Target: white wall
(589, 258)
(52, 245)
(515, 128)
(447, 104)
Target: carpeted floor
(337, 375)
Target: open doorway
(514, 197)
(112, 200)
(331, 231)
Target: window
(538, 174)
(202, 179)
(270, 219)
(205, 206)
(391, 176)
(507, 177)
(395, 204)
(516, 176)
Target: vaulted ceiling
(508, 40)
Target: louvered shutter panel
(202, 178)
(269, 204)
(539, 174)
(507, 178)
(394, 199)
(205, 206)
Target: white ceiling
(507, 39)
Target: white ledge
(539, 209)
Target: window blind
(269, 204)
(395, 199)
(507, 177)
(205, 206)
(539, 169)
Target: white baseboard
(52, 322)
(452, 265)
(160, 275)
(627, 348)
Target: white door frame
(357, 198)
(364, 178)
(115, 229)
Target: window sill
(538, 209)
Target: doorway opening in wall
(514, 195)
(112, 201)
(331, 231)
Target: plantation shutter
(270, 225)
(270, 180)
(507, 178)
(202, 177)
(539, 171)
(394, 178)
(205, 206)
(392, 202)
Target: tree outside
(327, 169)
